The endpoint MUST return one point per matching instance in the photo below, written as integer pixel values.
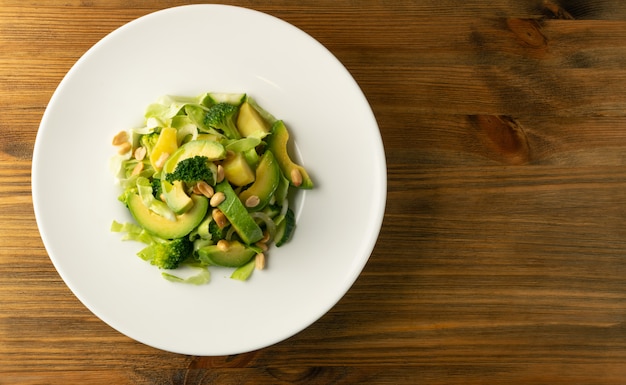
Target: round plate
(187, 51)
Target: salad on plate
(207, 180)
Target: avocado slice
(250, 123)
(175, 196)
(267, 180)
(211, 149)
(237, 215)
(277, 143)
(237, 254)
(164, 228)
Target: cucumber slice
(237, 215)
(285, 228)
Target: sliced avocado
(237, 254)
(237, 170)
(204, 229)
(175, 196)
(277, 143)
(208, 148)
(237, 215)
(243, 144)
(267, 180)
(250, 123)
(164, 228)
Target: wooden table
(502, 256)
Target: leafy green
(144, 188)
(149, 141)
(242, 273)
(202, 276)
(132, 232)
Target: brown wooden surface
(502, 257)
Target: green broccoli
(167, 254)
(157, 189)
(192, 170)
(216, 232)
(149, 141)
(223, 116)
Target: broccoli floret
(149, 141)
(222, 116)
(191, 171)
(216, 232)
(168, 254)
(157, 190)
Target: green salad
(207, 181)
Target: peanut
(223, 245)
(259, 261)
(220, 173)
(123, 148)
(138, 168)
(120, 138)
(296, 177)
(219, 218)
(140, 153)
(261, 245)
(204, 188)
(217, 198)
(253, 201)
(162, 159)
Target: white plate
(187, 51)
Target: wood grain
(502, 254)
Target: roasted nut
(204, 188)
(219, 218)
(252, 201)
(123, 148)
(138, 168)
(220, 173)
(296, 177)
(120, 138)
(162, 159)
(140, 153)
(262, 245)
(259, 261)
(217, 198)
(223, 245)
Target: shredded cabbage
(132, 232)
(144, 188)
(202, 276)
